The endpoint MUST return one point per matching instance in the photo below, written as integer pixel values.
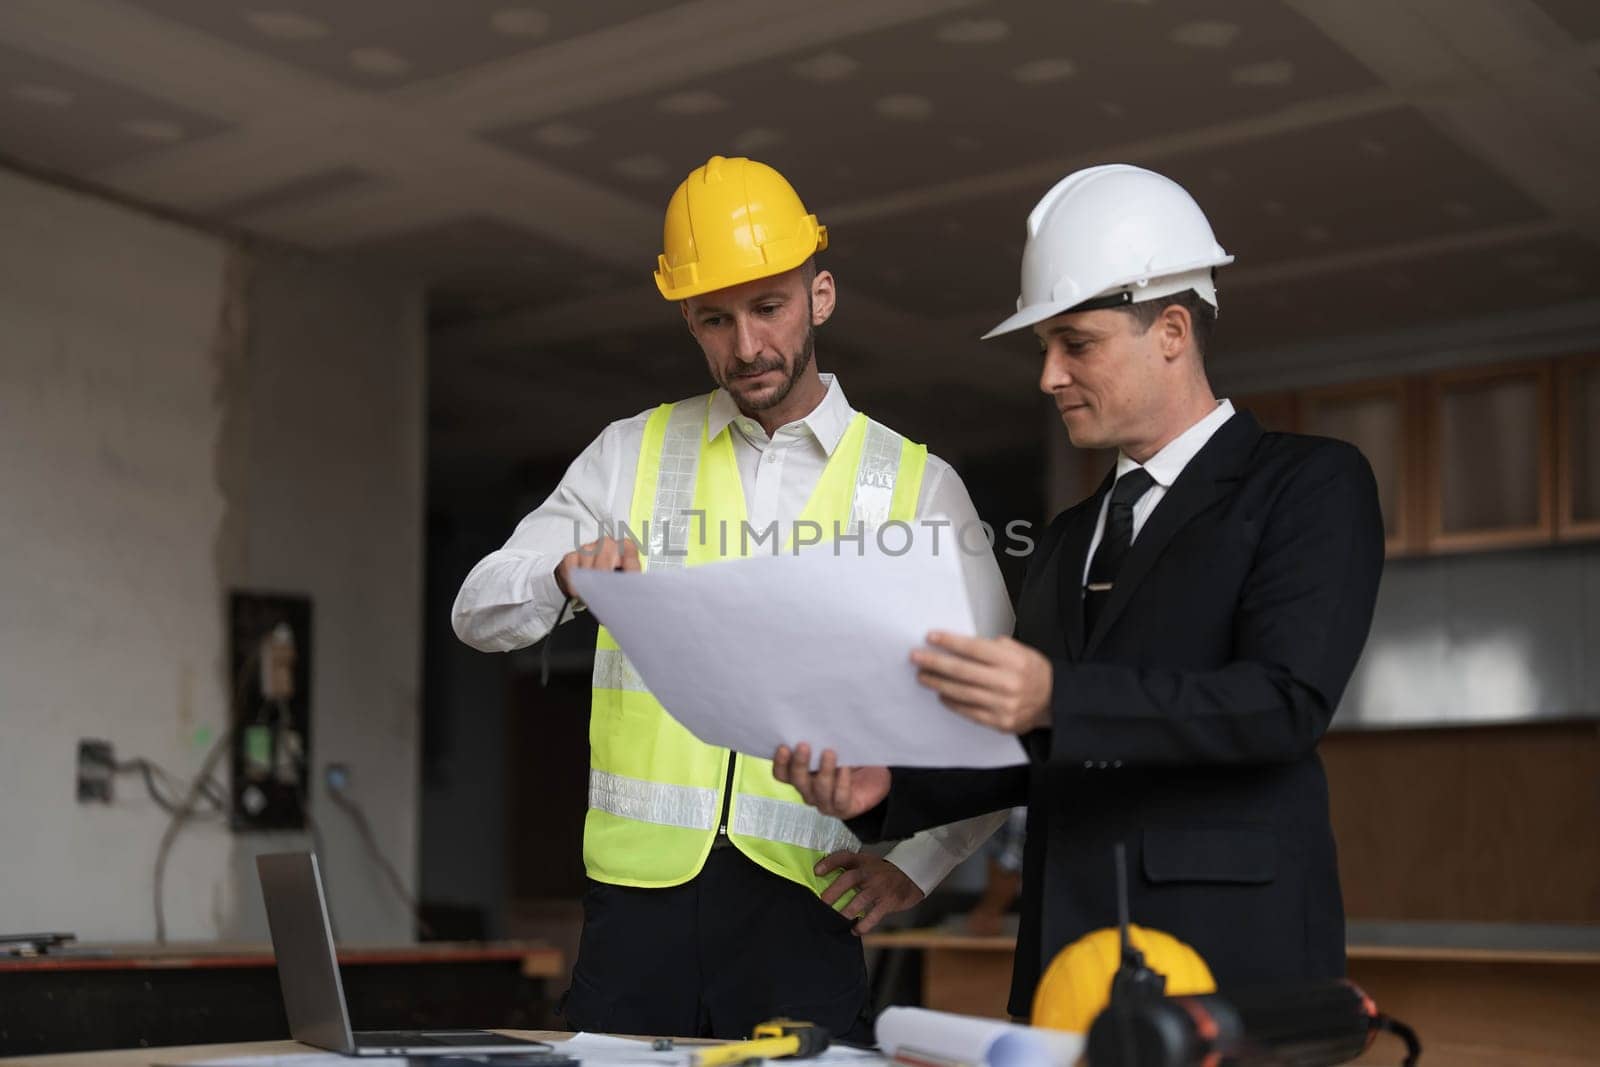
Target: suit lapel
(1208, 476)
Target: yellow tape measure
(771, 1040)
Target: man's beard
(797, 367)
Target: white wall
(179, 417)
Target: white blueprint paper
(919, 1034)
(749, 654)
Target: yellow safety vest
(655, 791)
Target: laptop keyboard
(440, 1038)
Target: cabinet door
(1578, 448)
(1274, 411)
(1490, 457)
(1376, 418)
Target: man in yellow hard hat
(713, 887)
(1183, 635)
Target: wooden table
(125, 996)
(968, 974)
(144, 1057)
(1472, 1007)
(1486, 1008)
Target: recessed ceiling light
(44, 95)
(691, 102)
(827, 67)
(1272, 73)
(380, 62)
(1205, 34)
(645, 167)
(757, 138)
(520, 22)
(974, 31)
(157, 131)
(286, 25)
(561, 135)
(1040, 71)
(904, 106)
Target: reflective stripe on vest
(791, 822)
(613, 671)
(674, 499)
(695, 808)
(666, 805)
(880, 459)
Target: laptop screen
(302, 940)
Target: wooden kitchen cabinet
(1490, 464)
(1379, 418)
(1578, 448)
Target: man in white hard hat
(713, 888)
(1183, 635)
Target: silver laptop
(308, 971)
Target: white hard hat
(1113, 235)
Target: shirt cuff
(929, 857)
(543, 601)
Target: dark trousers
(734, 946)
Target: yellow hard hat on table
(1076, 986)
(732, 221)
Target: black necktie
(1113, 543)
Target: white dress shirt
(510, 599)
(1164, 468)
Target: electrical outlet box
(97, 765)
(271, 732)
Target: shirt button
(772, 457)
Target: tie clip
(1098, 587)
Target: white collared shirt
(510, 599)
(1164, 467)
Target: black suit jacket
(1186, 724)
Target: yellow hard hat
(732, 221)
(1077, 985)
